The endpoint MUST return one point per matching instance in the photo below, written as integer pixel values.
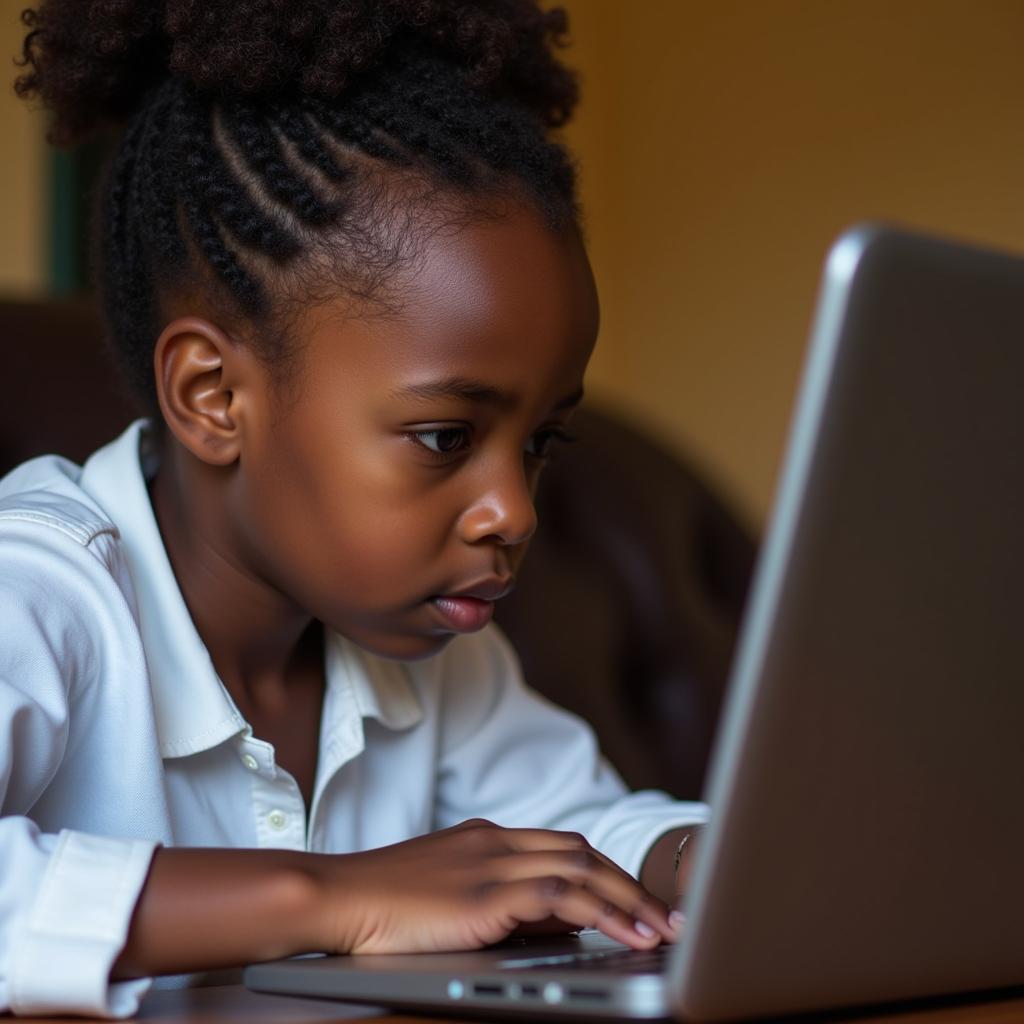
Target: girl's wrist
(327, 913)
(298, 894)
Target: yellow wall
(724, 143)
(23, 170)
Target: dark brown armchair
(627, 608)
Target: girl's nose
(504, 512)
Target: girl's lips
(464, 614)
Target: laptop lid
(868, 828)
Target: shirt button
(250, 762)
(278, 820)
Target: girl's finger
(545, 839)
(535, 899)
(648, 908)
(587, 869)
(548, 839)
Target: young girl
(249, 689)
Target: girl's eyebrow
(468, 390)
(464, 388)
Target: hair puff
(93, 61)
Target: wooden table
(233, 1004)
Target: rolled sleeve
(66, 897)
(61, 955)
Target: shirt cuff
(76, 927)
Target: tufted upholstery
(626, 610)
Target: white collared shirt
(116, 734)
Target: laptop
(867, 780)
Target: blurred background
(723, 144)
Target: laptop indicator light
(552, 992)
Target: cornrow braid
(254, 161)
(221, 199)
(162, 235)
(396, 113)
(345, 124)
(199, 160)
(298, 128)
(123, 278)
(251, 131)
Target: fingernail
(676, 920)
(644, 929)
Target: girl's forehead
(496, 297)
(505, 270)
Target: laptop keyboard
(621, 961)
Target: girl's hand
(477, 883)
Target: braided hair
(271, 147)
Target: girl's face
(393, 499)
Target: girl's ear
(202, 381)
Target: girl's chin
(401, 646)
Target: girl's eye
(540, 444)
(446, 441)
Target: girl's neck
(257, 638)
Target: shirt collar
(193, 709)
(380, 688)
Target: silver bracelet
(690, 832)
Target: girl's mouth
(463, 614)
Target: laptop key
(626, 961)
